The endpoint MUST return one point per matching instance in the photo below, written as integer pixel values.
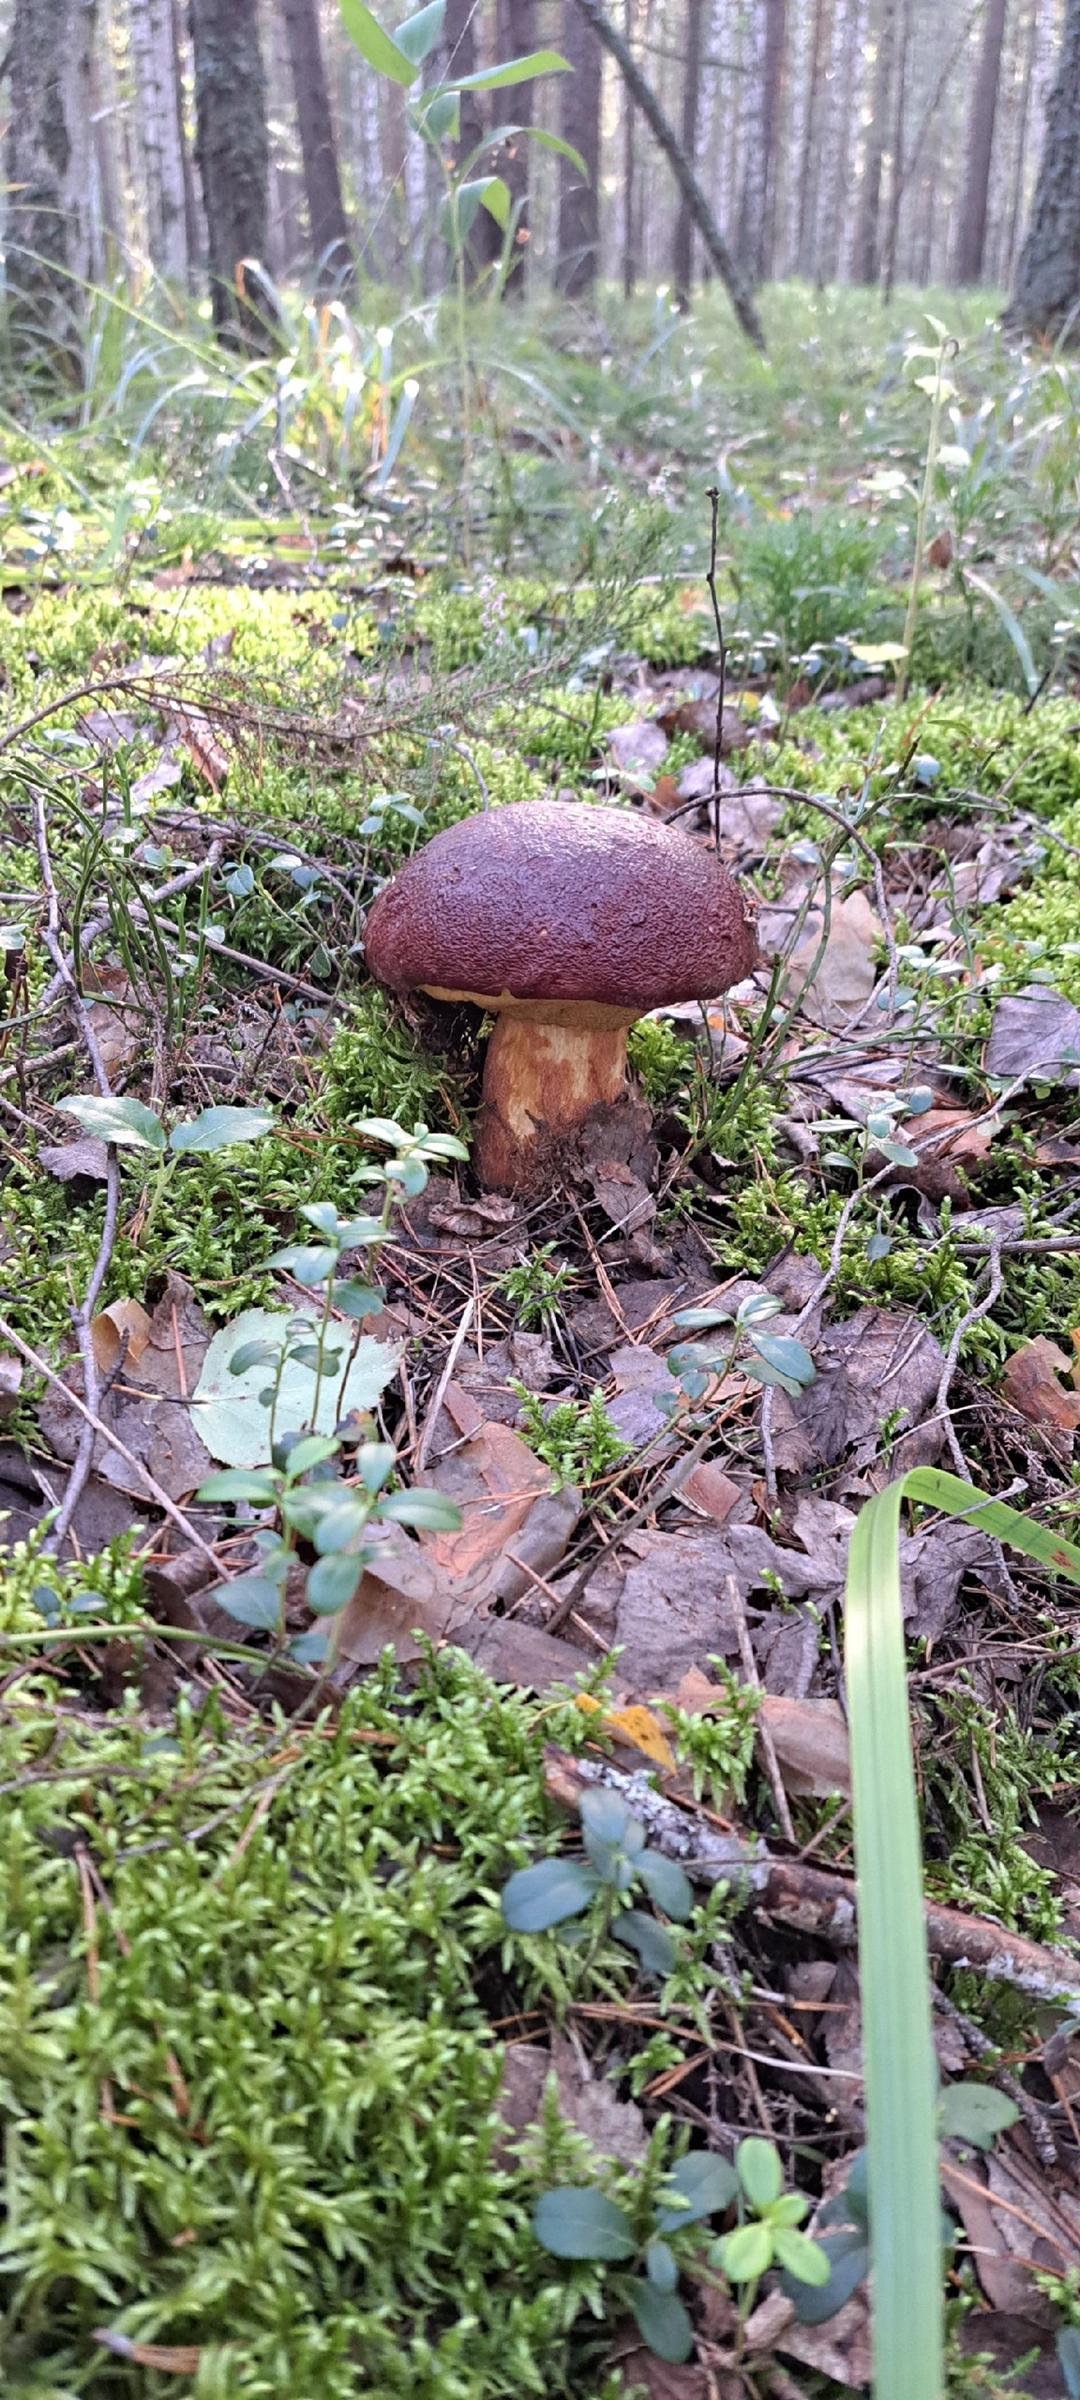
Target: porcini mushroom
(566, 922)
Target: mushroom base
(540, 1081)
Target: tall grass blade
(898, 2056)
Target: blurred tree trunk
(322, 181)
(810, 162)
(458, 56)
(153, 57)
(194, 222)
(1017, 200)
(49, 166)
(516, 37)
(233, 154)
(108, 216)
(629, 120)
(898, 176)
(866, 264)
(682, 256)
(1047, 295)
(971, 236)
(579, 123)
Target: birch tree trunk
(1047, 295)
(867, 258)
(971, 238)
(232, 151)
(153, 58)
(49, 164)
(322, 181)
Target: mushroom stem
(540, 1081)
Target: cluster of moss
(250, 2097)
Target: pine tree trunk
(772, 93)
(629, 247)
(867, 259)
(517, 28)
(1047, 295)
(322, 181)
(1021, 143)
(682, 255)
(232, 152)
(810, 166)
(899, 143)
(153, 57)
(578, 257)
(49, 160)
(971, 237)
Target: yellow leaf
(638, 1726)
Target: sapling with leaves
(617, 1860)
(771, 1358)
(581, 2222)
(435, 114)
(128, 1124)
(326, 1488)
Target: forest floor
(280, 2081)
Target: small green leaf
(341, 1524)
(419, 35)
(376, 46)
(667, 1886)
(661, 2267)
(698, 1320)
(238, 1483)
(356, 1300)
(847, 2256)
(802, 2258)
(253, 1354)
(654, 1946)
(429, 1511)
(608, 1819)
(662, 2322)
(576, 2221)
(974, 2112)
(705, 2183)
(746, 2253)
(757, 2165)
(332, 1582)
(787, 1356)
(251, 1599)
(324, 1216)
(544, 1895)
(382, 1129)
(516, 70)
(374, 1461)
(125, 1122)
(310, 1452)
(220, 1129)
(305, 1262)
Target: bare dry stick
(765, 1740)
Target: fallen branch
(812, 1899)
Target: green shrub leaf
(576, 2221)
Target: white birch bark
(153, 59)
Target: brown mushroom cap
(545, 901)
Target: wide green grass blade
(898, 2057)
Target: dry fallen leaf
(710, 1490)
(635, 1724)
(123, 1320)
(1031, 1384)
(11, 1375)
(810, 1739)
(638, 749)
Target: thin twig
(753, 1681)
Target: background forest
(865, 141)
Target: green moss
(293, 2170)
(377, 1068)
